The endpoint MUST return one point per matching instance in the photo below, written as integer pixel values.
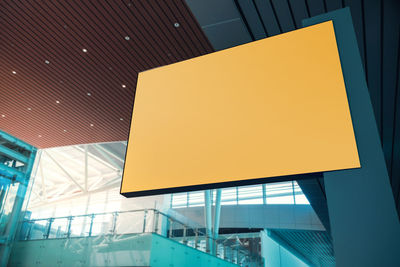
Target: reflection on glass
(59, 228)
(80, 226)
(102, 224)
(38, 229)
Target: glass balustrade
(135, 222)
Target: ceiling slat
(373, 39)
(283, 14)
(390, 43)
(268, 17)
(58, 31)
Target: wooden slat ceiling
(68, 69)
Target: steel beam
(15, 141)
(65, 172)
(86, 168)
(17, 175)
(110, 153)
(13, 154)
(44, 193)
(108, 157)
(109, 186)
(96, 158)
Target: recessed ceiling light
(39, 136)
(127, 38)
(3, 116)
(91, 125)
(14, 72)
(29, 109)
(47, 62)
(84, 50)
(65, 131)
(123, 86)
(58, 102)
(89, 94)
(176, 25)
(121, 119)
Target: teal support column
(217, 216)
(208, 220)
(364, 223)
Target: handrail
(194, 235)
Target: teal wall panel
(365, 226)
(165, 252)
(118, 250)
(276, 255)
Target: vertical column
(217, 216)
(364, 223)
(208, 220)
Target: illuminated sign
(269, 108)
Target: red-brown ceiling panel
(68, 69)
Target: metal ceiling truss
(91, 168)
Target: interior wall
(260, 216)
(277, 256)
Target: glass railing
(138, 222)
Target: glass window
(80, 226)
(250, 194)
(229, 196)
(38, 229)
(179, 200)
(130, 222)
(275, 193)
(300, 198)
(279, 193)
(102, 224)
(196, 199)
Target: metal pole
(208, 222)
(196, 238)
(170, 227)
(264, 189)
(69, 227)
(217, 216)
(184, 240)
(294, 196)
(86, 168)
(91, 225)
(114, 225)
(3, 194)
(144, 221)
(155, 226)
(48, 228)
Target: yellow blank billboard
(269, 108)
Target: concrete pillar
(364, 223)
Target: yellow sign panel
(269, 108)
